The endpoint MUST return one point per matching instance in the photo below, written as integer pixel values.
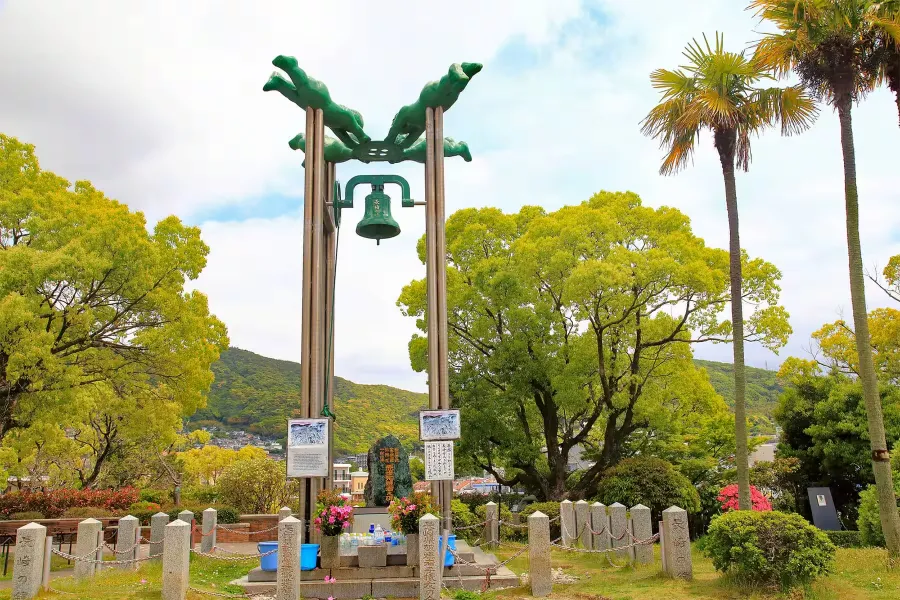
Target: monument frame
(321, 222)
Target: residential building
(358, 481)
(341, 473)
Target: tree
(884, 17)
(204, 466)
(830, 46)
(89, 298)
(823, 421)
(575, 329)
(837, 345)
(650, 481)
(717, 91)
(256, 485)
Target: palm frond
(790, 106)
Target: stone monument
(389, 475)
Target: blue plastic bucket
(308, 555)
(449, 559)
(270, 561)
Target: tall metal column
(436, 284)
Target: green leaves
(575, 328)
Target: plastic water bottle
(371, 527)
(379, 535)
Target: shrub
(465, 595)
(54, 503)
(256, 485)
(463, 517)
(869, 521)
(28, 515)
(845, 539)
(650, 481)
(551, 509)
(728, 498)
(156, 496)
(88, 512)
(224, 516)
(768, 548)
(506, 532)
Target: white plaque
(439, 461)
(439, 425)
(307, 448)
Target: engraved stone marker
(539, 571)
(678, 543)
(430, 563)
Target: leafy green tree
(824, 426)
(417, 469)
(89, 298)
(650, 481)
(718, 91)
(575, 329)
(829, 44)
(256, 485)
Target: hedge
(845, 539)
(54, 504)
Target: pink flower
(329, 579)
(346, 525)
(143, 581)
(331, 520)
(318, 521)
(330, 597)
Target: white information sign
(439, 461)
(307, 448)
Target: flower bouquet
(334, 516)
(405, 515)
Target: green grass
(56, 564)
(860, 574)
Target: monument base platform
(398, 581)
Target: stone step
(404, 587)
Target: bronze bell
(377, 223)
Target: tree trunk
(887, 504)
(725, 144)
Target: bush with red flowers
(54, 503)
(728, 498)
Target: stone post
(678, 543)
(539, 571)
(662, 546)
(85, 543)
(290, 537)
(600, 522)
(431, 564)
(618, 528)
(567, 523)
(492, 527)
(210, 520)
(48, 555)
(176, 560)
(28, 568)
(158, 524)
(126, 540)
(583, 524)
(186, 516)
(642, 528)
(284, 513)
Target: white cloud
(160, 104)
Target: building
(362, 461)
(358, 482)
(341, 472)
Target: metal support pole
(431, 311)
(307, 282)
(330, 272)
(317, 304)
(440, 263)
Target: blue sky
(163, 109)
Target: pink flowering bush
(334, 514)
(728, 498)
(406, 512)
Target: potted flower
(405, 515)
(334, 516)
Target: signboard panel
(439, 461)
(439, 425)
(307, 448)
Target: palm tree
(884, 18)
(716, 91)
(831, 46)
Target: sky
(160, 105)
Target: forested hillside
(258, 394)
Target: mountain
(762, 392)
(259, 394)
